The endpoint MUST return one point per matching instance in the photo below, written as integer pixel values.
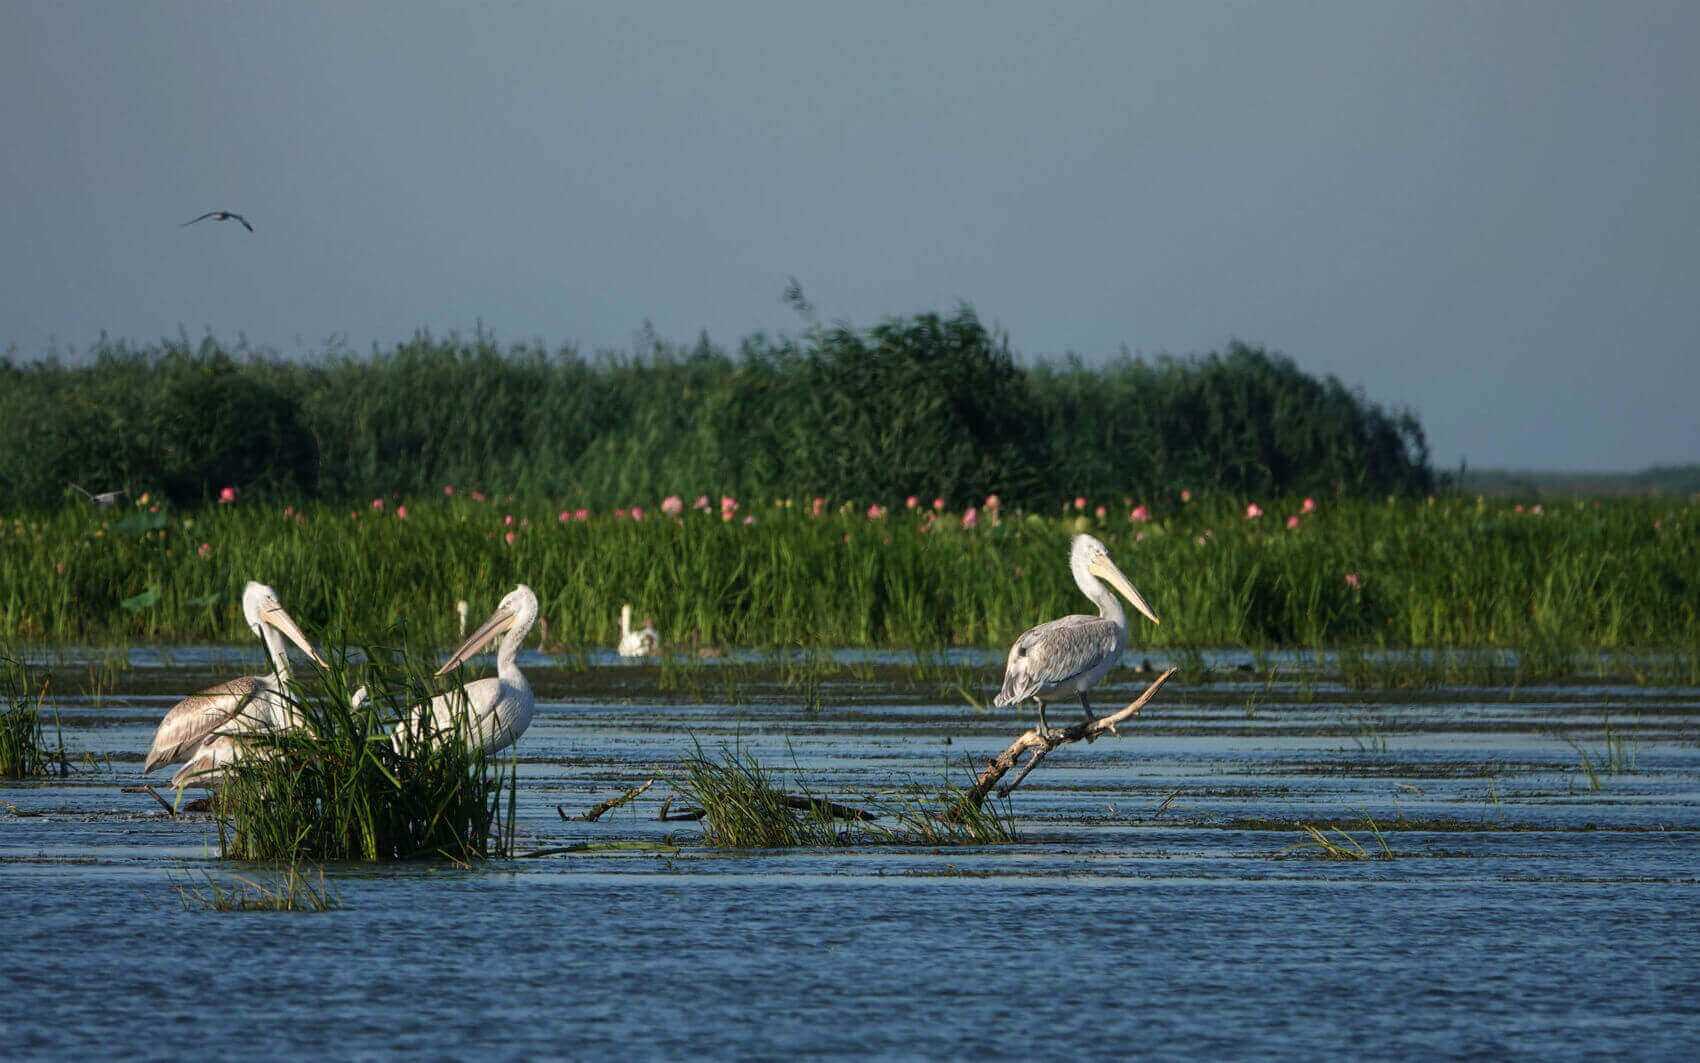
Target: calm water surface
(1160, 901)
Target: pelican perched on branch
(205, 728)
(1070, 655)
(500, 708)
(645, 642)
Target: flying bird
(104, 499)
(1070, 655)
(219, 215)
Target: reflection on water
(1160, 902)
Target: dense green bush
(928, 404)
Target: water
(1160, 901)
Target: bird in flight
(220, 215)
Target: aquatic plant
(339, 788)
(1336, 844)
(292, 892)
(24, 751)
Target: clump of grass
(292, 892)
(742, 808)
(1336, 844)
(338, 788)
(24, 751)
(1617, 758)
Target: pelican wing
(1055, 653)
(197, 716)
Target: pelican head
(517, 610)
(1090, 561)
(261, 608)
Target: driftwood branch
(596, 811)
(151, 792)
(666, 814)
(1037, 746)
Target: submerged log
(596, 811)
(1037, 746)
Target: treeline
(928, 404)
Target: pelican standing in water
(500, 707)
(1070, 655)
(205, 728)
(645, 642)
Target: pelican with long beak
(206, 728)
(498, 709)
(1070, 655)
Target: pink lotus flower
(1292, 522)
(876, 512)
(1079, 501)
(378, 504)
(204, 551)
(401, 512)
(749, 520)
(478, 496)
(1186, 496)
(672, 505)
(637, 512)
(508, 521)
(1309, 506)
(971, 518)
(227, 496)
(1099, 512)
(1141, 514)
(992, 503)
(1353, 580)
(581, 514)
(508, 538)
(448, 490)
(1519, 507)
(566, 515)
(288, 511)
(1536, 509)
(938, 505)
(911, 502)
(728, 507)
(1253, 511)
(700, 503)
(817, 507)
(619, 514)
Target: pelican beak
(499, 621)
(1106, 569)
(282, 621)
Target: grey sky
(1487, 211)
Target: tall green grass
(337, 788)
(1620, 576)
(24, 750)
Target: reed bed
(337, 788)
(24, 750)
(1620, 576)
(291, 891)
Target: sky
(1489, 213)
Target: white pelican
(1070, 655)
(500, 707)
(645, 642)
(216, 715)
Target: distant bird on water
(219, 215)
(644, 642)
(1070, 655)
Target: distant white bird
(460, 611)
(219, 716)
(1070, 655)
(104, 499)
(219, 215)
(498, 709)
(645, 642)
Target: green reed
(292, 891)
(24, 749)
(1622, 576)
(338, 788)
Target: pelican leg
(1090, 718)
(1044, 729)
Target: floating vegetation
(292, 892)
(741, 808)
(338, 788)
(24, 752)
(1334, 843)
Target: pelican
(215, 716)
(645, 642)
(219, 215)
(500, 707)
(1071, 654)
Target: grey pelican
(211, 721)
(501, 706)
(219, 215)
(645, 642)
(1070, 655)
